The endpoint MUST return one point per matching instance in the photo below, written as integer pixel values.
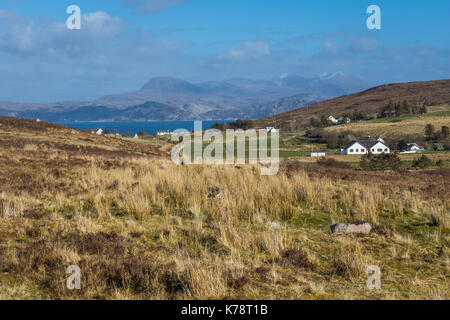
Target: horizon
(52, 102)
(122, 44)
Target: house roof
(366, 143)
(410, 145)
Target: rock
(346, 228)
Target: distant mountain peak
(330, 76)
(170, 84)
(164, 98)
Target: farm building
(366, 145)
(318, 154)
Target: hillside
(57, 147)
(368, 101)
(141, 227)
(394, 128)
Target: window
(386, 150)
(379, 150)
(351, 150)
(357, 150)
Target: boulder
(346, 228)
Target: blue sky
(123, 43)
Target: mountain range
(165, 98)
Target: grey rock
(347, 228)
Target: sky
(124, 43)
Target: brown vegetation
(367, 102)
(140, 227)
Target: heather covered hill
(40, 140)
(368, 102)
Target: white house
(271, 130)
(366, 145)
(163, 133)
(411, 148)
(318, 154)
(340, 120)
(332, 119)
(98, 132)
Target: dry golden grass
(203, 232)
(356, 158)
(141, 227)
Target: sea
(149, 127)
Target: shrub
(423, 162)
(333, 163)
(388, 161)
(429, 132)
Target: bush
(388, 161)
(333, 163)
(440, 163)
(423, 162)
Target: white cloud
(102, 24)
(365, 44)
(330, 46)
(25, 36)
(248, 50)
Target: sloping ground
(30, 134)
(369, 101)
(29, 148)
(141, 227)
(393, 128)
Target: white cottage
(332, 119)
(163, 133)
(271, 130)
(98, 132)
(411, 148)
(366, 145)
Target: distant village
(367, 145)
(129, 134)
(371, 145)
